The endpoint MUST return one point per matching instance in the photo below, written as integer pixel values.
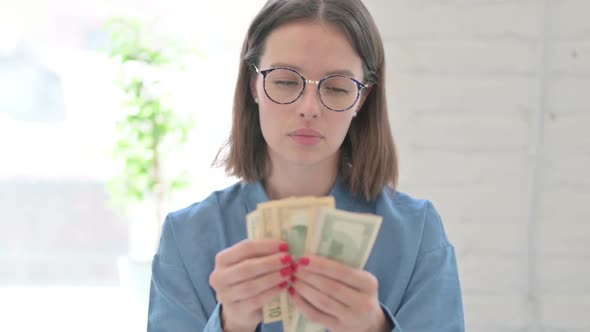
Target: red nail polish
(304, 261)
(287, 259)
(286, 271)
(284, 247)
(293, 279)
(282, 285)
(291, 291)
(294, 266)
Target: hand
(338, 297)
(248, 275)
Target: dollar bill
(344, 237)
(288, 220)
(252, 221)
(267, 229)
(295, 217)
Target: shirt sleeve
(432, 300)
(174, 302)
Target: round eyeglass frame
(360, 86)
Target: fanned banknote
(311, 225)
(344, 237)
(295, 216)
(267, 229)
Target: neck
(288, 180)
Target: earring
(256, 100)
(353, 114)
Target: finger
(312, 313)
(256, 302)
(320, 299)
(249, 249)
(252, 268)
(356, 278)
(339, 291)
(253, 287)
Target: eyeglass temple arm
(256, 68)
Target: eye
(335, 90)
(285, 83)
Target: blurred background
(489, 102)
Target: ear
(253, 92)
(365, 93)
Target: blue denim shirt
(412, 258)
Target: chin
(307, 158)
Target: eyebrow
(332, 72)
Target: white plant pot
(135, 268)
(134, 277)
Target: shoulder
(201, 213)
(192, 236)
(210, 224)
(414, 217)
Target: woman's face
(305, 132)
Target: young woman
(309, 119)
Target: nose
(309, 105)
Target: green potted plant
(147, 133)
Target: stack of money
(312, 225)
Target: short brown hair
(368, 153)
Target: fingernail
(304, 261)
(293, 279)
(294, 266)
(291, 291)
(287, 259)
(282, 285)
(284, 247)
(286, 271)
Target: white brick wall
(464, 81)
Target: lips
(306, 137)
(306, 132)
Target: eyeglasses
(285, 85)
